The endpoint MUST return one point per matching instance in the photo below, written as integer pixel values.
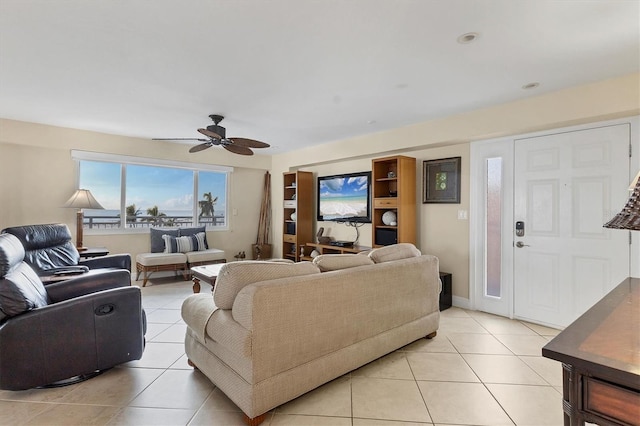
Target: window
(150, 192)
(493, 228)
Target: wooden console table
(600, 355)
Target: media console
(331, 249)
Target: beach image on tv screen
(343, 197)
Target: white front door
(566, 186)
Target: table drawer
(288, 238)
(611, 401)
(379, 203)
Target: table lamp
(81, 199)
(629, 217)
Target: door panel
(564, 192)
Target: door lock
(520, 244)
(519, 229)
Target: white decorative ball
(389, 218)
(294, 216)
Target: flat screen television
(345, 197)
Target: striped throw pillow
(195, 242)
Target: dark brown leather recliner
(74, 328)
(49, 249)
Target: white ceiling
(295, 73)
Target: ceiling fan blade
(236, 149)
(179, 139)
(210, 133)
(249, 143)
(201, 147)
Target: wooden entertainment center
(297, 229)
(394, 190)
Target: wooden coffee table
(205, 273)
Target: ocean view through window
(148, 195)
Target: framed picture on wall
(441, 181)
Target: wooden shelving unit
(298, 199)
(394, 189)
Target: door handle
(520, 244)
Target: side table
(93, 252)
(445, 295)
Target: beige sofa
(274, 331)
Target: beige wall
(38, 176)
(440, 232)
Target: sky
(147, 186)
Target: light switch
(463, 215)
(234, 212)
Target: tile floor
(480, 370)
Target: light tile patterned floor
(480, 370)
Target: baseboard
(461, 302)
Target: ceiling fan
(216, 135)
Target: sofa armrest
(196, 312)
(91, 283)
(117, 261)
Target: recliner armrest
(88, 284)
(117, 261)
(64, 270)
(73, 337)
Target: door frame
(506, 146)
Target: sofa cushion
(209, 255)
(155, 235)
(156, 259)
(234, 276)
(186, 232)
(334, 262)
(394, 252)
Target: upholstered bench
(169, 252)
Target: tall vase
(262, 249)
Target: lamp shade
(82, 199)
(629, 217)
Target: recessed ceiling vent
(468, 38)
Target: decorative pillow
(170, 244)
(195, 242)
(394, 252)
(157, 242)
(334, 262)
(234, 276)
(185, 232)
